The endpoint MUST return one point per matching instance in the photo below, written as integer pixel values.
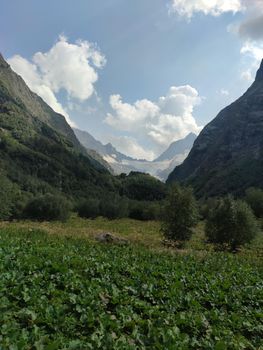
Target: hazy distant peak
(177, 147)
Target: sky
(139, 74)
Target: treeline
(136, 195)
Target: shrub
(144, 210)
(231, 224)
(12, 200)
(180, 214)
(254, 197)
(114, 207)
(47, 207)
(136, 210)
(142, 187)
(89, 208)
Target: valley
(131, 175)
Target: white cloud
(66, 66)
(187, 8)
(254, 52)
(224, 92)
(130, 146)
(164, 121)
(29, 73)
(247, 75)
(130, 116)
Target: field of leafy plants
(69, 293)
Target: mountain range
(40, 153)
(120, 163)
(227, 156)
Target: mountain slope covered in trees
(39, 153)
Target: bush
(47, 207)
(142, 187)
(254, 197)
(89, 209)
(180, 214)
(114, 207)
(231, 224)
(10, 199)
(144, 211)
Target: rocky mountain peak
(259, 76)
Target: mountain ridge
(227, 156)
(177, 147)
(39, 153)
(121, 163)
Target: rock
(107, 237)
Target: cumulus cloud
(254, 51)
(29, 73)
(166, 120)
(187, 8)
(130, 146)
(224, 92)
(130, 116)
(252, 28)
(69, 67)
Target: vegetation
(231, 224)
(61, 290)
(39, 155)
(142, 210)
(142, 187)
(254, 197)
(180, 214)
(69, 293)
(48, 208)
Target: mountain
(177, 147)
(89, 142)
(227, 156)
(39, 152)
(120, 163)
(15, 91)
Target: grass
(146, 233)
(61, 290)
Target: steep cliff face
(227, 156)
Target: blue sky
(141, 73)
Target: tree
(113, 207)
(89, 208)
(180, 214)
(47, 207)
(254, 197)
(231, 224)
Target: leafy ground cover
(61, 292)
